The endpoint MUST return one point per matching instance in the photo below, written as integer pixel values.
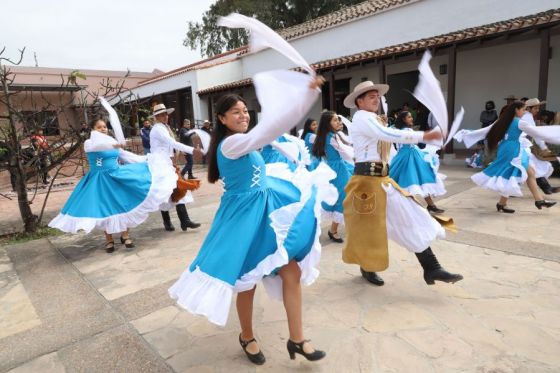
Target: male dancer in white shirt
(162, 146)
(375, 208)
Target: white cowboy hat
(160, 109)
(361, 88)
(534, 102)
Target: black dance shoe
(257, 358)
(297, 348)
(335, 237)
(504, 208)
(544, 203)
(372, 277)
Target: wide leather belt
(371, 169)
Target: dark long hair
(500, 127)
(322, 131)
(307, 127)
(96, 118)
(220, 132)
(399, 122)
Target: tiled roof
(197, 65)
(341, 16)
(465, 35)
(493, 29)
(225, 87)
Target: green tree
(210, 39)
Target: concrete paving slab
(496, 320)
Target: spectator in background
(41, 147)
(546, 117)
(207, 126)
(145, 135)
(489, 114)
(509, 100)
(186, 138)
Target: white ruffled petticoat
(409, 224)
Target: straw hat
(364, 87)
(160, 109)
(534, 102)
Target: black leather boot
(545, 186)
(372, 277)
(184, 218)
(167, 221)
(433, 271)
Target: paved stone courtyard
(67, 306)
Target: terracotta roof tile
(548, 17)
(206, 63)
(224, 87)
(515, 24)
(346, 14)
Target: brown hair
(220, 132)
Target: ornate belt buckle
(372, 169)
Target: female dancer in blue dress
(415, 170)
(265, 227)
(111, 196)
(332, 149)
(308, 136)
(511, 166)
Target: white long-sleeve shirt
(162, 143)
(528, 117)
(367, 130)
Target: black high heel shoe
(109, 247)
(504, 208)
(257, 358)
(127, 242)
(335, 238)
(297, 348)
(544, 203)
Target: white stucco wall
(219, 74)
(424, 19)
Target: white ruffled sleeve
(373, 129)
(128, 157)
(304, 156)
(470, 137)
(549, 134)
(160, 134)
(528, 118)
(345, 151)
(287, 149)
(98, 142)
(285, 98)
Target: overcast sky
(101, 34)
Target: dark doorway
(402, 85)
(341, 90)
